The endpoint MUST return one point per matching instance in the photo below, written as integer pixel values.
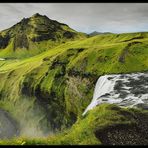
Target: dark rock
(43, 37)
(143, 106)
(4, 41)
(21, 41)
(80, 49)
(68, 34)
(122, 135)
(105, 95)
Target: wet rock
(142, 105)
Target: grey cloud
(85, 17)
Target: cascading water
(127, 90)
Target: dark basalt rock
(4, 41)
(110, 78)
(26, 90)
(123, 94)
(73, 72)
(125, 51)
(143, 106)
(122, 135)
(43, 37)
(80, 50)
(21, 41)
(123, 56)
(58, 63)
(118, 86)
(68, 34)
(135, 133)
(105, 95)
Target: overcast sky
(84, 17)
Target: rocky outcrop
(4, 41)
(135, 133)
(68, 34)
(21, 41)
(125, 51)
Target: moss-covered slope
(53, 88)
(34, 35)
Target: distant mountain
(97, 33)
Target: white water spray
(127, 90)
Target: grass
(63, 78)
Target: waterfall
(127, 90)
(103, 86)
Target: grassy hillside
(54, 87)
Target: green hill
(49, 91)
(34, 35)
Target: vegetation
(106, 124)
(49, 80)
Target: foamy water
(127, 90)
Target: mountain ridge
(94, 33)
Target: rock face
(127, 90)
(124, 135)
(4, 41)
(21, 41)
